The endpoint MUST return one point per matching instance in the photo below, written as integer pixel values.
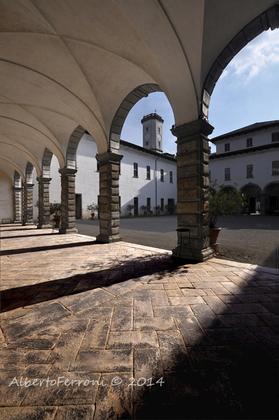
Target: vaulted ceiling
(69, 63)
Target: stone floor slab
(123, 316)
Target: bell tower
(152, 126)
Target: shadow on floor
(20, 227)
(131, 269)
(229, 368)
(45, 248)
(29, 236)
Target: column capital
(17, 188)
(108, 157)
(43, 179)
(28, 185)
(67, 171)
(200, 126)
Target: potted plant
(55, 212)
(225, 201)
(93, 207)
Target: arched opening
(146, 184)
(267, 20)
(271, 192)
(6, 198)
(252, 194)
(17, 197)
(125, 107)
(28, 194)
(244, 144)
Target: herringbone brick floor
(120, 331)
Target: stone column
(27, 214)
(44, 205)
(108, 200)
(192, 190)
(68, 200)
(17, 204)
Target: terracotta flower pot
(213, 236)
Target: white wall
(87, 177)
(6, 197)
(261, 137)
(55, 183)
(131, 187)
(262, 162)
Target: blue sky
(247, 92)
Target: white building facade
(248, 160)
(147, 182)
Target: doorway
(252, 204)
(171, 206)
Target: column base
(105, 239)
(195, 255)
(44, 227)
(69, 230)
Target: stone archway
(17, 197)
(271, 196)
(266, 20)
(125, 107)
(43, 191)
(71, 153)
(252, 193)
(27, 208)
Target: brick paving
(121, 317)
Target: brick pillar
(192, 190)
(44, 206)
(27, 213)
(108, 200)
(17, 204)
(68, 200)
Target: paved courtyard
(91, 331)
(251, 239)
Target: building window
(227, 147)
(249, 142)
(275, 168)
(227, 174)
(148, 204)
(249, 171)
(171, 177)
(146, 128)
(275, 137)
(162, 175)
(148, 172)
(162, 204)
(159, 130)
(136, 170)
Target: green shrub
(225, 201)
